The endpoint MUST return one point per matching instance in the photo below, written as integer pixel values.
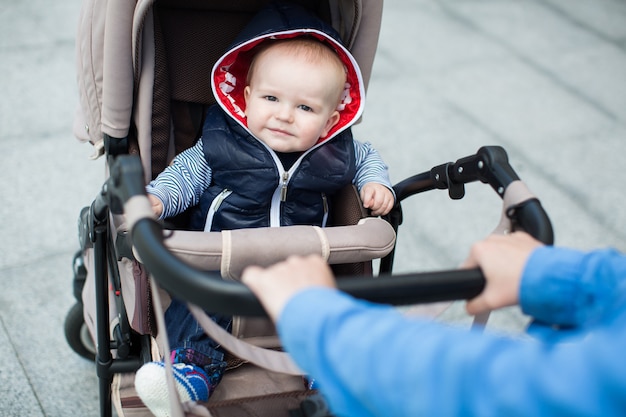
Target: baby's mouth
(280, 132)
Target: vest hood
(280, 21)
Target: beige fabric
(176, 409)
(365, 42)
(89, 58)
(145, 74)
(249, 381)
(324, 243)
(117, 71)
(230, 252)
(517, 192)
(88, 296)
(256, 331)
(137, 208)
(268, 359)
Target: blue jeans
(190, 344)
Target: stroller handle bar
(125, 192)
(490, 165)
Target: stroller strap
(271, 360)
(268, 359)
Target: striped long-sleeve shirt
(182, 183)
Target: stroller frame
(489, 165)
(125, 187)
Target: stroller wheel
(77, 334)
(80, 274)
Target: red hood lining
(231, 70)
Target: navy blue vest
(244, 167)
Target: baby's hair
(311, 49)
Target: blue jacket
(250, 187)
(371, 360)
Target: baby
(293, 91)
(273, 152)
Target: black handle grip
(532, 218)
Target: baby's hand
(377, 198)
(157, 206)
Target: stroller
(142, 74)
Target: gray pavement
(545, 79)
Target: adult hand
(275, 285)
(502, 259)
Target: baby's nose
(284, 113)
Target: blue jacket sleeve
(569, 288)
(371, 360)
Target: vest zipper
(215, 205)
(280, 193)
(283, 189)
(325, 204)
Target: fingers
(477, 306)
(502, 259)
(258, 281)
(252, 277)
(377, 198)
(277, 284)
(469, 263)
(383, 207)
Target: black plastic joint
(115, 146)
(439, 176)
(442, 178)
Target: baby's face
(290, 103)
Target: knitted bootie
(192, 384)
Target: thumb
(476, 305)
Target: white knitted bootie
(151, 385)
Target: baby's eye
(271, 98)
(305, 107)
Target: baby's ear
(246, 94)
(330, 123)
